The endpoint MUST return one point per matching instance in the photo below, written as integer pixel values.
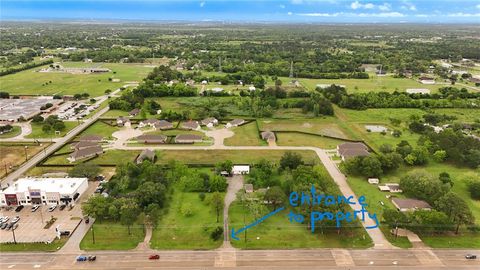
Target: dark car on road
(62, 207)
(19, 208)
(4, 226)
(92, 257)
(470, 257)
(154, 257)
(81, 258)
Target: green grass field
(374, 83)
(112, 236)
(323, 126)
(100, 128)
(462, 240)
(245, 135)
(69, 84)
(24, 247)
(16, 130)
(277, 232)
(236, 156)
(110, 158)
(177, 231)
(37, 132)
(300, 139)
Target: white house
(426, 80)
(47, 191)
(241, 169)
(422, 91)
(373, 181)
(251, 88)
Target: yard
(112, 236)
(187, 224)
(247, 134)
(301, 139)
(16, 130)
(100, 128)
(323, 126)
(236, 156)
(38, 133)
(24, 247)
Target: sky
(287, 11)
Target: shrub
(216, 233)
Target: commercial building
(12, 110)
(46, 191)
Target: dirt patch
(306, 125)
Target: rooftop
(61, 185)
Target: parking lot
(31, 228)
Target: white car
(51, 208)
(16, 219)
(5, 219)
(35, 208)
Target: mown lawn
(109, 157)
(178, 231)
(462, 240)
(300, 139)
(16, 130)
(374, 83)
(33, 83)
(276, 232)
(23, 247)
(236, 156)
(112, 236)
(323, 126)
(247, 134)
(100, 128)
(38, 133)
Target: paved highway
(249, 259)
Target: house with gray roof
(351, 150)
(190, 125)
(268, 136)
(188, 138)
(82, 145)
(235, 123)
(91, 138)
(85, 153)
(163, 125)
(148, 122)
(209, 122)
(405, 205)
(151, 138)
(146, 154)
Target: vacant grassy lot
(277, 232)
(374, 83)
(462, 240)
(112, 236)
(109, 157)
(16, 130)
(33, 83)
(100, 128)
(37, 132)
(236, 156)
(180, 230)
(464, 115)
(300, 139)
(245, 135)
(323, 126)
(13, 155)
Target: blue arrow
(234, 233)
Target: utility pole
(26, 157)
(14, 239)
(219, 64)
(93, 234)
(291, 69)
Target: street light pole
(13, 232)
(26, 157)
(93, 234)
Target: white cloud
(408, 6)
(320, 14)
(385, 7)
(478, 6)
(202, 4)
(357, 5)
(282, 6)
(422, 15)
(289, 13)
(297, 2)
(465, 15)
(382, 15)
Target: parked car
(19, 208)
(62, 207)
(5, 219)
(81, 258)
(65, 233)
(154, 257)
(35, 208)
(87, 220)
(9, 226)
(16, 219)
(92, 258)
(15, 226)
(4, 226)
(470, 257)
(51, 208)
